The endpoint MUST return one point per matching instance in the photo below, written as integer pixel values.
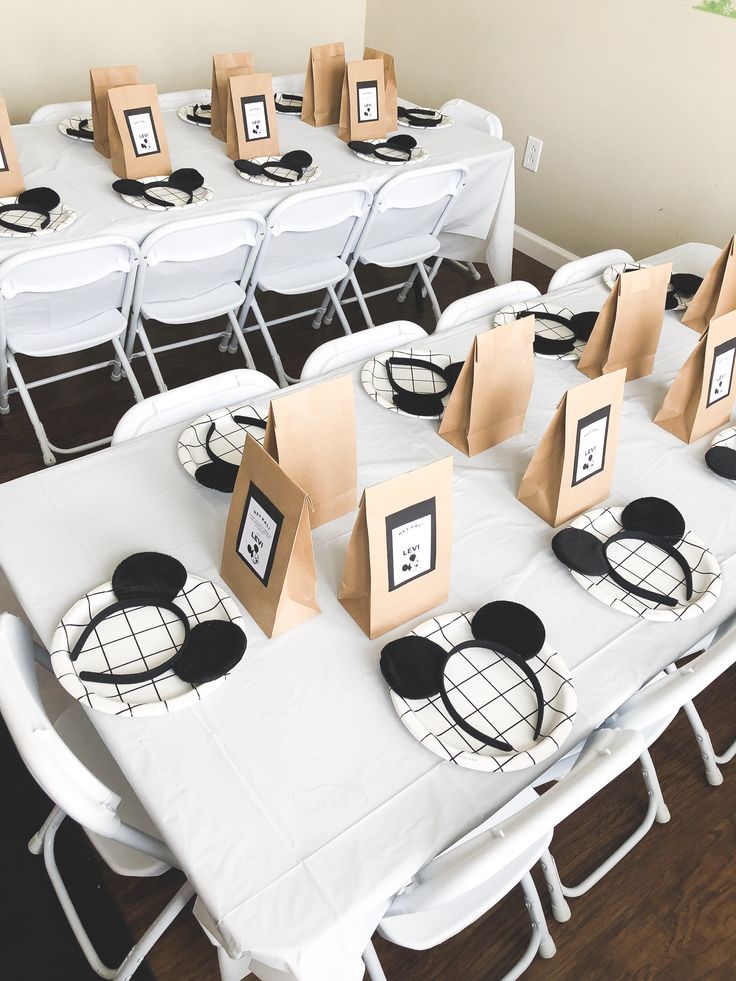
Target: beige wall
(172, 41)
(633, 99)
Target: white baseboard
(540, 249)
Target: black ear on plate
(298, 159)
(413, 666)
(452, 373)
(403, 141)
(218, 475)
(553, 345)
(510, 624)
(40, 197)
(214, 648)
(186, 179)
(722, 460)
(582, 324)
(686, 284)
(580, 551)
(149, 574)
(654, 516)
(134, 189)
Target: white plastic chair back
(468, 114)
(56, 111)
(479, 306)
(586, 268)
(344, 351)
(182, 404)
(290, 83)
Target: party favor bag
(572, 468)
(312, 435)
(323, 85)
(268, 559)
(626, 333)
(389, 82)
(397, 564)
(491, 395)
(252, 130)
(101, 80)
(363, 102)
(11, 179)
(702, 396)
(224, 67)
(138, 146)
(717, 293)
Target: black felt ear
(580, 551)
(152, 575)
(452, 373)
(403, 141)
(297, 159)
(582, 324)
(722, 460)
(686, 284)
(134, 189)
(186, 179)
(40, 197)
(654, 516)
(214, 648)
(248, 167)
(553, 345)
(413, 666)
(511, 625)
(218, 475)
(672, 300)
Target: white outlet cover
(533, 153)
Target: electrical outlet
(533, 153)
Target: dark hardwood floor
(667, 912)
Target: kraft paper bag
(363, 102)
(224, 67)
(268, 558)
(490, 398)
(311, 433)
(252, 129)
(101, 80)
(397, 564)
(323, 85)
(572, 468)
(389, 82)
(11, 179)
(138, 146)
(717, 293)
(702, 396)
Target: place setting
(34, 212)
(180, 189)
(559, 334)
(211, 447)
(77, 127)
(412, 382)
(293, 167)
(289, 103)
(422, 117)
(196, 113)
(681, 288)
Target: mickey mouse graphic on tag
(411, 543)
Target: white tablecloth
(481, 226)
(293, 797)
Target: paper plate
(445, 120)
(227, 441)
(72, 122)
(61, 218)
(183, 112)
(285, 105)
(309, 175)
(119, 640)
(177, 198)
(487, 685)
(543, 328)
(611, 273)
(647, 565)
(417, 154)
(727, 439)
(374, 379)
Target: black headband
(402, 144)
(296, 100)
(580, 324)
(36, 200)
(195, 117)
(186, 179)
(296, 161)
(421, 403)
(83, 132)
(417, 116)
(219, 474)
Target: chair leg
(48, 457)
(138, 953)
(4, 404)
(372, 964)
(339, 310)
(281, 375)
(150, 356)
(430, 292)
(123, 361)
(323, 308)
(466, 267)
(712, 774)
(361, 301)
(237, 338)
(329, 315)
(407, 285)
(560, 906)
(541, 942)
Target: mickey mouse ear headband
(195, 117)
(682, 287)
(186, 179)
(421, 403)
(289, 102)
(416, 667)
(647, 519)
(418, 116)
(37, 200)
(295, 162)
(581, 325)
(400, 148)
(82, 132)
(209, 650)
(219, 474)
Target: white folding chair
(344, 351)
(309, 239)
(711, 759)
(54, 112)
(191, 271)
(586, 268)
(72, 766)
(62, 299)
(461, 884)
(188, 401)
(403, 228)
(480, 306)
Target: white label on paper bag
(142, 131)
(259, 533)
(721, 376)
(255, 117)
(590, 445)
(367, 102)
(411, 543)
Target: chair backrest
(468, 114)
(474, 860)
(586, 268)
(290, 83)
(482, 305)
(189, 401)
(343, 351)
(54, 112)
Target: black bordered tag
(3, 159)
(721, 372)
(142, 131)
(411, 543)
(368, 105)
(258, 534)
(590, 445)
(255, 117)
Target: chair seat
(304, 279)
(47, 342)
(403, 253)
(223, 299)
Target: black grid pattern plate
(445, 121)
(375, 382)
(611, 273)
(495, 697)
(178, 199)
(648, 566)
(61, 218)
(133, 640)
(185, 111)
(309, 175)
(542, 327)
(417, 154)
(72, 122)
(227, 441)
